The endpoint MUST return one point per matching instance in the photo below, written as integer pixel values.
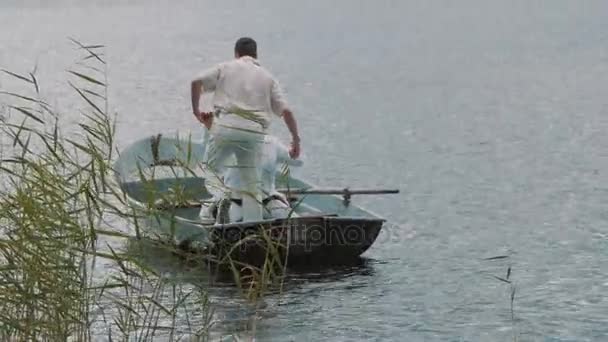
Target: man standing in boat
(246, 96)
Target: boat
(162, 176)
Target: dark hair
(246, 47)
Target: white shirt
(244, 84)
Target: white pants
(246, 147)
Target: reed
(507, 279)
(55, 204)
(62, 222)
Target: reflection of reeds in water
(54, 207)
(512, 290)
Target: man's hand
(206, 118)
(294, 151)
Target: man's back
(244, 84)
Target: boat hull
(302, 240)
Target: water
(489, 116)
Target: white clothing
(274, 155)
(245, 97)
(242, 83)
(246, 147)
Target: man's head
(246, 47)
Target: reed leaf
(26, 111)
(89, 101)
(24, 97)
(15, 75)
(89, 49)
(87, 78)
(35, 82)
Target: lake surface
(490, 116)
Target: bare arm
(196, 90)
(280, 107)
(205, 82)
(292, 125)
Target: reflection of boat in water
(233, 312)
(173, 263)
(326, 227)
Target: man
(246, 96)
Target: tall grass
(55, 202)
(49, 211)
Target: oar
(344, 192)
